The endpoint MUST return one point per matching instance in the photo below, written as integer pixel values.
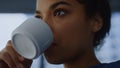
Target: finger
(22, 66)
(9, 56)
(14, 55)
(14, 51)
(3, 64)
(27, 63)
(7, 59)
(17, 59)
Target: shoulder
(114, 64)
(108, 65)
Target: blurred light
(8, 22)
(109, 52)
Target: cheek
(71, 35)
(72, 39)
(72, 30)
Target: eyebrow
(59, 3)
(53, 6)
(37, 11)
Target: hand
(3, 64)
(9, 58)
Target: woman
(78, 27)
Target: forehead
(48, 3)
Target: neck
(85, 60)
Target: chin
(54, 60)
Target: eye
(59, 12)
(38, 16)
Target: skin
(9, 58)
(73, 33)
(73, 36)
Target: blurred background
(14, 12)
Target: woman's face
(72, 30)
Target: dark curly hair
(101, 7)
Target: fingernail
(21, 66)
(21, 58)
(9, 41)
(18, 66)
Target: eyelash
(57, 12)
(38, 16)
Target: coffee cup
(32, 38)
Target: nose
(50, 22)
(47, 19)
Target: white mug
(32, 38)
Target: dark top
(108, 65)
